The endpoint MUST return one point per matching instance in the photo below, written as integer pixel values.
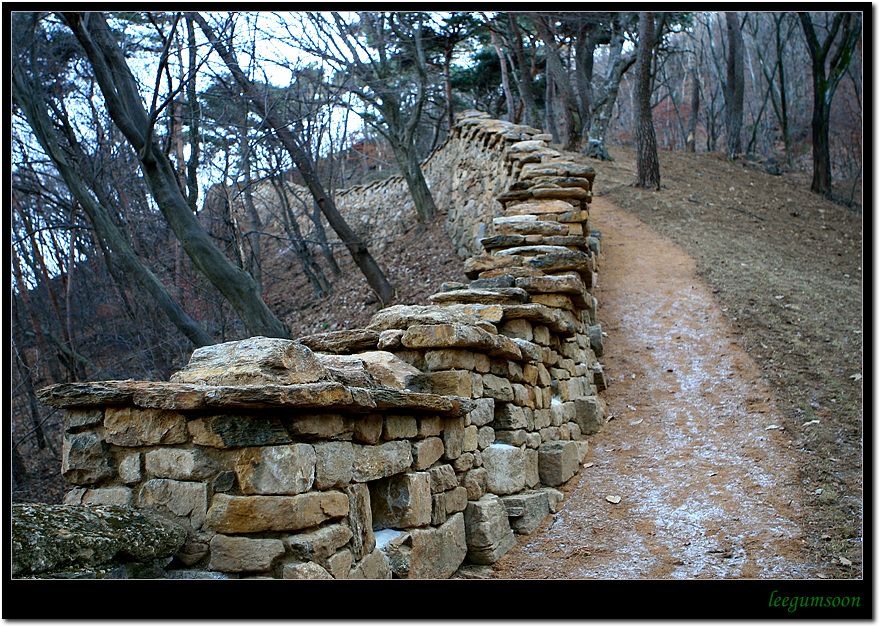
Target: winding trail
(706, 489)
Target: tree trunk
(571, 127)
(525, 82)
(648, 164)
(691, 141)
(359, 252)
(734, 88)
(824, 86)
(125, 107)
(505, 78)
(98, 215)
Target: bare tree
(358, 249)
(849, 26)
(125, 107)
(648, 164)
(734, 87)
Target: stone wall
(421, 443)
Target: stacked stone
(429, 438)
(278, 466)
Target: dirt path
(707, 488)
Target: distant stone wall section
(408, 449)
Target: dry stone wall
(423, 442)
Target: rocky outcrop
(422, 443)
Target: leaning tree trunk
(126, 109)
(648, 164)
(358, 249)
(99, 216)
(691, 142)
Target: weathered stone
(77, 419)
(474, 266)
(49, 538)
(333, 464)
(402, 501)
(130, 426)
(432, 553)
(449, 359)
(120, 496)
(449, 383)
(286, 469)
(234, 554)
(387, 369)
(442, 478)
(501, 281)
(85, 459)
(448, 503)
(505, 466)
(511, 416)
(181, 464)
(252, 361)
(304, 570)
(186, 500)
(589, 414)
(389, 340)
(596, 344)
(345, 341)
(326, 394)
(130, 468)
(453, 437)
(323, 426)
(487, 530)
(373, 566)
(538, 207)
(527, 510)
(253, 514)
(339, 564)
(376, 462)
(360, 520)
(426, 452)
(234, 431)
(557, 462)
(404, 316)
(529, 225)
(497, 388)
(482, 413)
(88, 394)
(498, 296)
(349, 370)
(474, 481)
(562, 260)
(319, 545)
(367, 428)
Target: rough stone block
(402, 501)
(187, 500)
(426, 452)
(505, 466)
(288, 469)
(474, 481)
(383, 460)
(253, 514)
(333, 464)
(527, 510)
(497, 388)
(442, 478)
(449, 359)
(429, 426)
(304, 570)
(85, 459)
(487, 530)
(252, 361)
(557, 462)
(318, 545)
(235, 554)
(483, 412)
(366, 428)
(235, 431)
(509, 416)
(360, 520)
(589, 414)
(432, 553)
(400, 427)
(375, 565)
(130, 426)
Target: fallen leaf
(811, 422)
(632, 376)
(856, 377)
(824, 536)
(636, 422)
(768, 427)
(822, 575)
(630, 407)
(613, 498)
(589, 465)
(845, 561)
